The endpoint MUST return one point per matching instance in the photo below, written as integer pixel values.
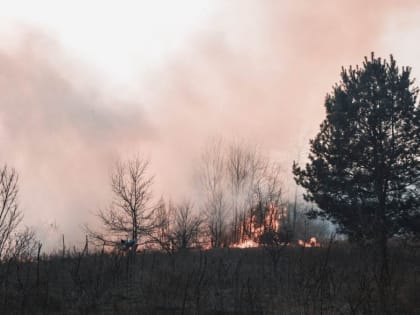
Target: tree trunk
(382, 271)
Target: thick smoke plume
(259, 72)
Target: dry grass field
(334, 279)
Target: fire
(257, 223)
(255, 227)
(312, 243)
(246, 244)
(263, 226)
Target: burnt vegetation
(237, 245)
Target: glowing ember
(312, 243)
(246, 244)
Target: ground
(334, 279)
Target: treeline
(238, 199)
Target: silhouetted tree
(186, 226)
(177, 227)
(10, 215)
(364, 164)
(131, 213)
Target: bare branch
(130, 215)
(10, 215)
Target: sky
(85, 83)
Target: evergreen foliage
(364, 164)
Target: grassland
(334, 279)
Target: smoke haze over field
(252, 70)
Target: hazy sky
(83, 83)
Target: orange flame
(254, 227)
(246, 244)
(312, 243)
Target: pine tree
(364, 164)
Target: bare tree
(10, 215)
(186, 226)
(268, 198)
(177, 227)
(215, 218)
(239, 185)
(163, 217)
(232, 176)
(25, 245)
(212, 180)
(130, 217)
(238, 172)
(246, 170)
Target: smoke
(263, 69)
(259, 72)
(61, 135)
